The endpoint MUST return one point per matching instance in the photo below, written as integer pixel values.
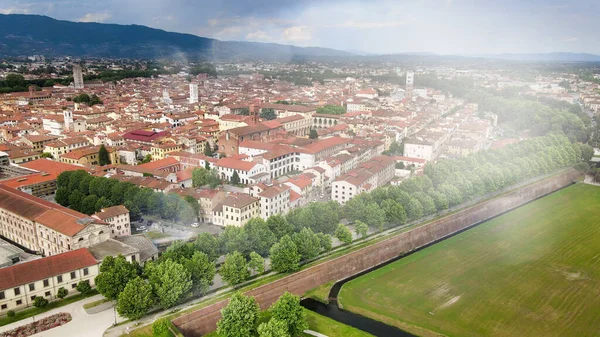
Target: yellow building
(236, 210)
(89, 156)
(160, 150)
(59, 147)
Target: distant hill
(547, 57)
(35, 34)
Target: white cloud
(297, 33)
(15, 10)
(258, 35)
(570, 39)
(95, 17)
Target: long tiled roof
(54, 216)
(40, 269)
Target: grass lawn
(532, 272)
(33, 311)
(330, 327)
(320, 293)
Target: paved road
(82, 324)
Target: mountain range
(22, 35)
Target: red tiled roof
(40, 269)
(324, 144)
(53, 167)
(51, 215)
(144, 136)
(235, 164)
(157, 164)
(111, 212)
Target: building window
(85, 271)
(46, 283)
(4, 306)
(1, 295)
(72, 275)
(17, 291)
(59, 279)
(19, 302)
(33, 297)
(74, 285)
(47, 293)
(31, 286)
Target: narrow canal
(333, 311)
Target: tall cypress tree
(103, 157)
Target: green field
(532, 272)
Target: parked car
(195, 225)
(149, 223)
(141, 228)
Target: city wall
(204, 320)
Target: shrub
(84, 286)
(160, 326)
(11, 314)
(40, 302)
(62, 293)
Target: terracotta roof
(145, 136)
(239, 200)
(289, 119)
(157, 164)
(50, 166)
(272, 191)
(235, 164)
(111, 212)
(54, 216)
(325, 144)
(40, 269)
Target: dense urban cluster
(234, 170)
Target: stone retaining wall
(204, 320)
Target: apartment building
(366, 177)
(89, 156)
(249, 172)
(160, 150)
(118, 219)
(37, 143)
(20, 284)
(274, 198)
(236, 210)
(61, 146)
(208, 201)
(43, 226)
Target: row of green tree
(452, 182)
(88, 194)
(164, 283)
(305, 232)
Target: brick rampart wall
(204, 320)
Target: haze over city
(376, 27)
(299, 168)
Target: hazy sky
(375, 26)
